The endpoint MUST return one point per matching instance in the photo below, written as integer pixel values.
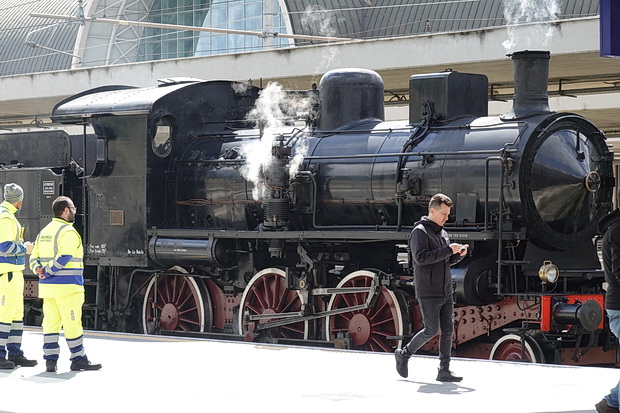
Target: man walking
(609, 226)
(13, 252)
(433, 254)
(57, 260)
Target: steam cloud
(241, 88)
(321, 22)
(274, 108)
(530, 23)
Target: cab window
(162, 137)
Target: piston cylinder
(173, 251)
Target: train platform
(160, 374)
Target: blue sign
(610, 28)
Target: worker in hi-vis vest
(57, 260)
(13, 252)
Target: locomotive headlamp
(548, 273)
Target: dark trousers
(437, 317)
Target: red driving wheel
(369, 329)
(267, 294)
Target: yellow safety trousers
(12, 297)
(64, 312)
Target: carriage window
(162, 139)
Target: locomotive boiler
(204, 215)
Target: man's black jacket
(609, 225)
(432, 258)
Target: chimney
(531, 75)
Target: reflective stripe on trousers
(11, 314)
(51, 349)
(66, 313)
(5, 328)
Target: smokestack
(531, 75)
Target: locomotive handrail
(363, 155)
(381, 155)
(486, 189)
(27, 168)
(500, 159)
(434, 127)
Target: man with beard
(433, 254)
(57, 260)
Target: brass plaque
(117, 217)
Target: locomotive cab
(140, 132)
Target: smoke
(274, 110)
(257, 153)
(530, 23)
(241, 88)
(301, 150)
(320, 22)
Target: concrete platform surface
(157, 374)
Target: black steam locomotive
(202, 215)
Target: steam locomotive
(203, 216)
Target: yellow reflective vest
(58, 249)
(12, 248)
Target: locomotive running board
(351, 235)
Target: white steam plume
(241, 87)
(530, 23)
(273, 105)
(274, 108)
(321, 22)
(301, 150)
